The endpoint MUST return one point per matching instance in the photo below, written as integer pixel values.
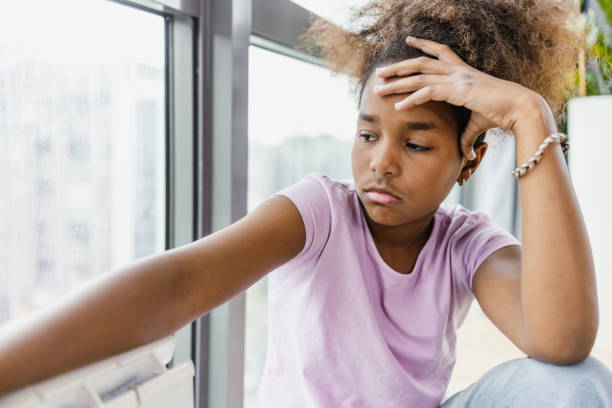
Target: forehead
(374, 80)
(371, 103)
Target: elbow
(567, 357)
(582, 347)
(562, 359)
(569, 350)
(565, 341)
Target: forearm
(117, 312)
(151, 298)
(559, 296)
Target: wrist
(534, 117)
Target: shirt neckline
(371, 246)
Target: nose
(384, 159)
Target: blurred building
(81, 173)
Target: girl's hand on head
(494, 102)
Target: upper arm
(221, 265)
(497, 288)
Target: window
(294, 129)
(82, 130)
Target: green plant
(598, 72)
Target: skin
(384, 155)
(541, 295)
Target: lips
(381, 195)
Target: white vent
(135, 379)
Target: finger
(409, 84)
(442, 51)
(422, 65)
(423, 95)
(467, 148)
(468, 137)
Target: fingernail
(377, 88)
(398, 105)
(379, 70)
(472, 155)
(410, 38)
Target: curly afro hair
(532, 42)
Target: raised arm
(559, 293)
(150, 298)
(543, 296)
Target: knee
(587, 380)
(565, 375)
(530, 382)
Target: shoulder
(318, 190)
(457, 212)
(320, 187)
(473, 235)
(329, 184)
(322, 202)
(461, 221)
(470, 235)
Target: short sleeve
(311, 198)
(479, 238)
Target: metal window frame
(188, 145)
(181, 137)
(226, 28)
(223, 37)
(179, 8)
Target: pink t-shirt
(346, 330)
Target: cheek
(426, 171)
(447, 176)
(434, 175)
(357, 159)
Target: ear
(469, 166)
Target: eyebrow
(410, 125)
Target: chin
(383, 215)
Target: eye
(366, 137)
(417, 147)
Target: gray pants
(526, 382)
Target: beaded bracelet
(560, 137)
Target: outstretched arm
(150, 298)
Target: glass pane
(301, 120)
(82, 133)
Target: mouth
(381, 195)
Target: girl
(371, 280)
